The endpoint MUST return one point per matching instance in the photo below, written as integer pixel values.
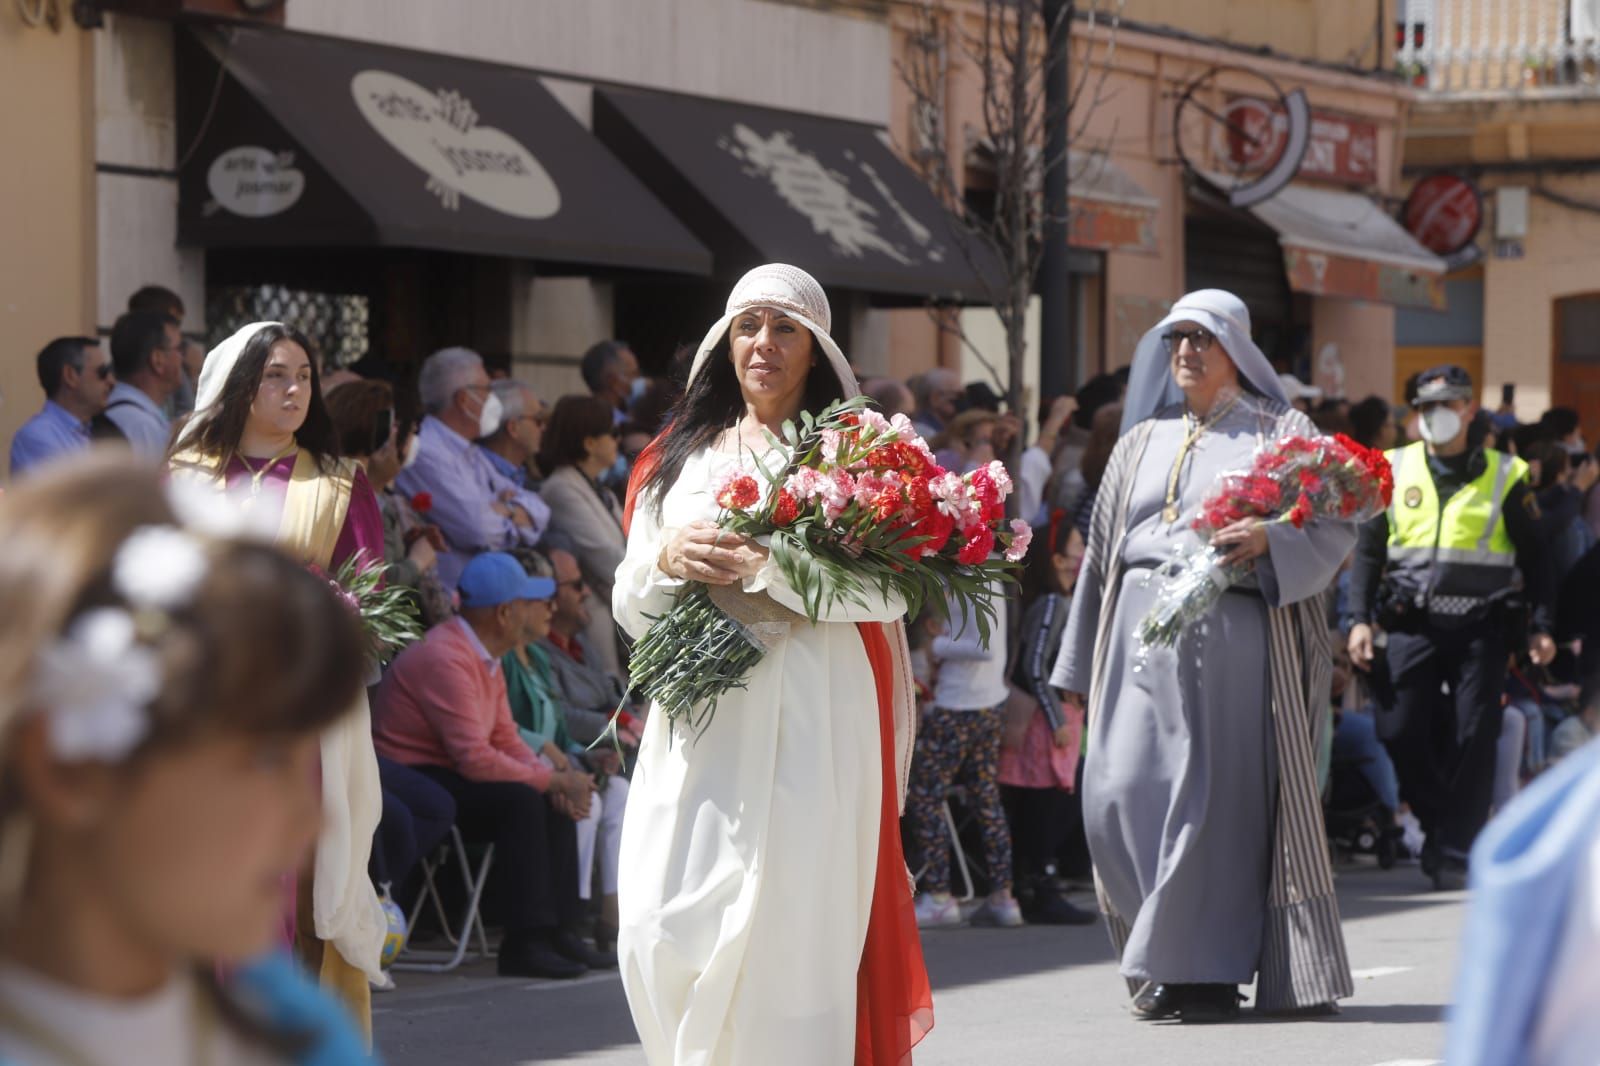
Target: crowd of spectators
(502, 510)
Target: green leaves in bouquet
(388, 613)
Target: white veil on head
(219, 364)
(795, 293)
(1150, 385)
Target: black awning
(825, 194)
(323, 142)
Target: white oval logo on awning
(439, 132)
(255, 182)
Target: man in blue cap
(442, 709)
(1434, 578)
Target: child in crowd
(958, 744)
(161, 697)
(1044, 734)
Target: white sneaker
(1006, 912)
(937, 910)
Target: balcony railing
(1498, 47)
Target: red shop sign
(1443, 213)
(1340, 149)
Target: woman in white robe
(751, 853)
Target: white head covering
(220, 362)
(795, 293)
(1151, 388)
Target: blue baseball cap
(494, 578)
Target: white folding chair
(460, 936)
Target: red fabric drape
(642, 468)
(894, 1002)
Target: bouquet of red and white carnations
(1293, 480)
(860, 508)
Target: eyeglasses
(104, 371)
(577, 584)
(1199, 339)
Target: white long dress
(749, 853)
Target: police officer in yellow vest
(1429, 592)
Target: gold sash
(315, 501)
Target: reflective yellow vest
(1456, 560)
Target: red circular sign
(1443, 213)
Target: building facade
(1183, 103)
(1509, 107)
(47, 213)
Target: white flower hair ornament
(96, 683)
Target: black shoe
(1208, 1004)
(1430, 858)
(1450, 875)
(1155, 1001)
(1051, 909)
(536, 958)
(572, 946)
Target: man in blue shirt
(76, 376)
(522, 419)
(476, 507)
(147, 352)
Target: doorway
(1575, 382)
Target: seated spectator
(967, 442)
(364, 418)
(937, 393)
(611, 371)
(1372, 424)
(529, 684)
(522, 421)
(147, 354)
(588, 693)
(580, 445)
(76, 376)
(476, 507)
(442, 709)
(417, 816)
(891, 397)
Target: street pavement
(1002, 997)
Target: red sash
(894, 1003)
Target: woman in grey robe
(1199, 792)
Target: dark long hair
(219, 429)
(713, 403)
(574, 419)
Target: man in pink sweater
(442, 710)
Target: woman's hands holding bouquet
(704, 551)
(1247, 539)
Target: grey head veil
(1150, 385)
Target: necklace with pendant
(257, 475)
(1193, 429)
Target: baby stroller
(1357, 822)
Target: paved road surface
(1003, 997)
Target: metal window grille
(338, 324)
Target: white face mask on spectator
(489, 416)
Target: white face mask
(413, 446)
(636, 391)
(1439, 426)
(489, 417)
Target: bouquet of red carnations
(860, 504)
(1293, 480)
